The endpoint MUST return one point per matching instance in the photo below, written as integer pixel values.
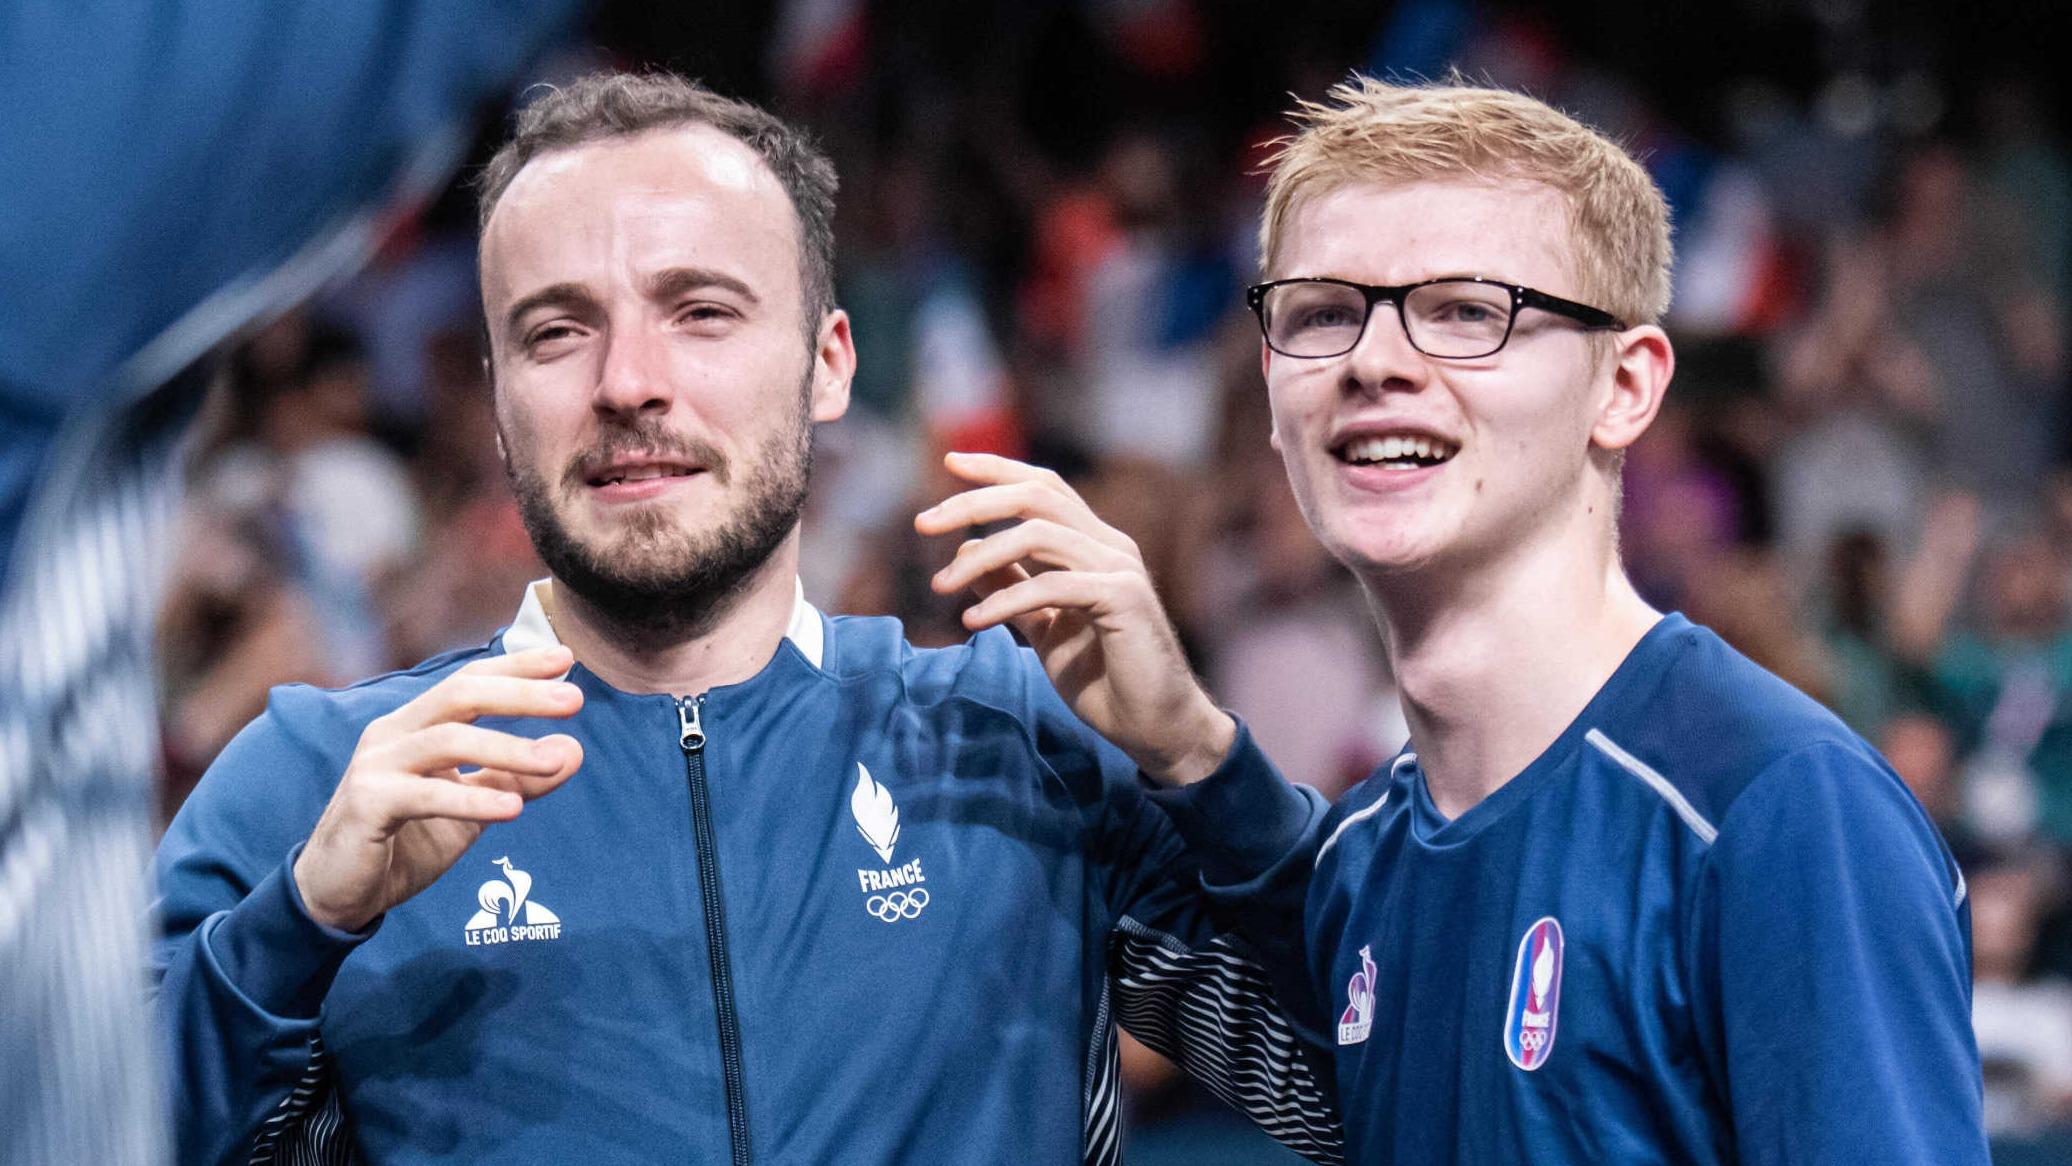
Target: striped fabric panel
(1212, 1011)
(310, 1127)
(78, 743)
(1104, 1089)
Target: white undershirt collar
(530, 628)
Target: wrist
(315, 907)
(1201, 748)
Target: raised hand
(404, 812)
(1088, 608)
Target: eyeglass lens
(1451, 318)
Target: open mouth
(1395, 451)
(618, 475)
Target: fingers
(520, 684)
(992, 468)
(453, 745)
(527, 786)
(549, 662)
(1037, 540)
(988, 504)
(1011, 490)
(404, 799)
(1087, 591)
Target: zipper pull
(693, 738)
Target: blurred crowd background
(1863, 478)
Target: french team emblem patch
(1530, 1019)
(1358, 1018)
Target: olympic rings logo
(898, 905)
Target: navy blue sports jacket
(873, 905)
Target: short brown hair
(1368, 130)
(603, 106)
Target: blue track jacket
(874, 905)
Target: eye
(1467, 312)
(550, 339)
(1325, 316)
(706, 314)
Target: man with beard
(802, 893)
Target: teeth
(1397, 448)
(645, 473)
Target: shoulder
(313, 721)
(265, 790)
(989, 668)
(1714, 725)
(989, 687)
(1377, 795)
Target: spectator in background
(343, 502)
(233, 624)
(1859, 402)
(2003, 681)
(2024, 1022)
(1678, 515)
(1863, 678)
(1965, 290)
(1921, 749)
(1153, 299)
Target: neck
(722, 647)
(1496, 659)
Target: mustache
(643, 438)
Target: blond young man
(1625, 896)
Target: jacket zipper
(693, 741)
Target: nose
(634, 377)
(1384, 360)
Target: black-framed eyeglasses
(1453, 319)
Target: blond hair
(1370, 131)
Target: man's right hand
(404, 813)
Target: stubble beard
(653, 583)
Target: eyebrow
(676, 281)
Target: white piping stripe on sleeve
(1369, 812)
(1705, 830)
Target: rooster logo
(877, 819)
(502, 900)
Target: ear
(834, 366)
(1641, 367)
(1273, 425)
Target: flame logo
(1542, 974)
(877, 819)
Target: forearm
(239, 997)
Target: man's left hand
(1088, 608)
